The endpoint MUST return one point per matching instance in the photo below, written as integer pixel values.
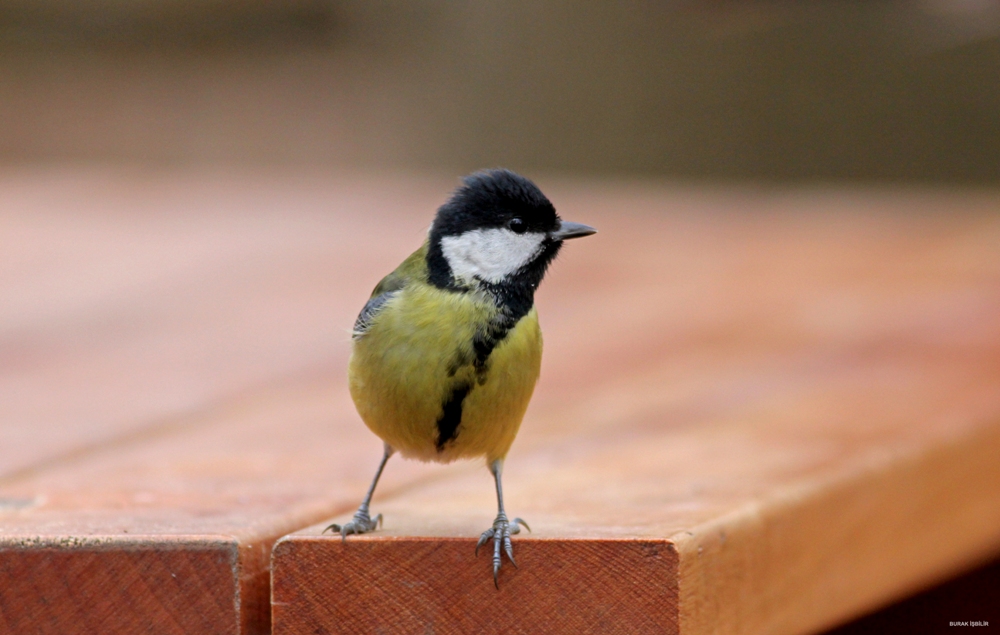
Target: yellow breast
(418, 354)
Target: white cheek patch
(490, 254)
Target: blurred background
(899, 93)
(905, 91)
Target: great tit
(446, 352)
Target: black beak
(569, 230)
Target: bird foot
(361, 524)
(500, 533)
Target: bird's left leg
(362, 522)
(502, 528)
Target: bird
(446, 351)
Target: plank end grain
(118, 586)
(437, 585)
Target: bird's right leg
(502, 528)
(362, 522)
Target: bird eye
(517, 225)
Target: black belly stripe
(451, 416)
(488, 338)
(513, 303)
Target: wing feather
(368, 313)
(412, 268)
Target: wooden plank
(139, 298)
(147, 525)
(393, 586)
(808, 431)
(121, 587)
(150, 320)
(772, 533)
(203, 400)
(185, 409)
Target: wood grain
(227, 485)
(811, 425)
(771, 538)
(593, 586)
(174, 402)
(177, 375)
(120, 586)
(171, 354)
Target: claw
(335, 528)
(359, 525)
(339, 529)
(496, 553)
(500, 533)
(496, 560)
(482, 540)
(509, 550)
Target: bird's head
(497, 228)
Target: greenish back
(413, 268)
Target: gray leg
(362, 523)
(502, 529)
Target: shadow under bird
(447, 350)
